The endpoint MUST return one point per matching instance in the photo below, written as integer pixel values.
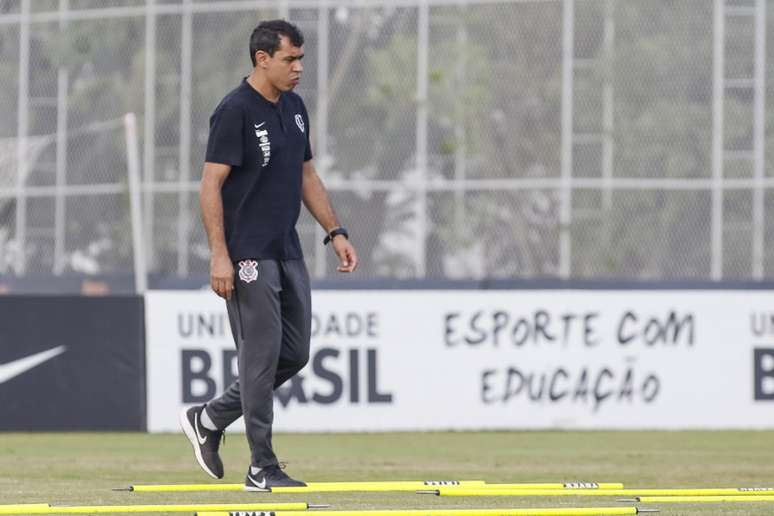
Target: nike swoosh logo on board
(14, 368)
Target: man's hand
(346, 253)
(222, 275)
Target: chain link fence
(459, 140)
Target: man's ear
(261, 58)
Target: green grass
(82, 468)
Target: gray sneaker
(205, 442)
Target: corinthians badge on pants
(248, 270)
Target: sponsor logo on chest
(262, 133)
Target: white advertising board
(438, 360)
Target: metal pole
(133, 169)
(718, 91)
(184, 156)
(423, 38)
(234, 6)
(565, 192)
(608, 113)
(759, 140)
(21, 143)
(321, 136)
(284, 9)
(460, 135)
(149, 130)
(60, 205)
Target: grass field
(82, 468)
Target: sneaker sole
(267, 490)
(257, 490)
(189, 432)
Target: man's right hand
(222, 276)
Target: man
(258, 169)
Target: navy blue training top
(266, 145)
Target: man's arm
(211, 202)
(316, 201)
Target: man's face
(284, 68)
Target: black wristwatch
(335, 233)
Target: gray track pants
(270, 318)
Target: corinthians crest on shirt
(263, 142)
(248, 270)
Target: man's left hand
(346, 253)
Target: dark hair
(266, 37)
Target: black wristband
(335, 233)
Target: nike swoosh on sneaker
(14, 368)
(259, 485)
(199, 437)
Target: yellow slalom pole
(107, 509)
(28, 508)
(415, 486)
(332, 487)
(177, 488)
(550, 485)
(601, 492)
(17, 507)
(311, 487)
(564, 511)
(728, 498)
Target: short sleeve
(308, 150)
(226, 136)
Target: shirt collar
(257, 94)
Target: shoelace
(275, 471)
